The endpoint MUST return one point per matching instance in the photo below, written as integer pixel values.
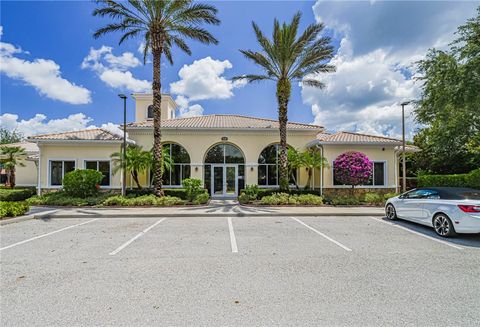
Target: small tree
(13, 154)
(7, 136)
(352, 168)
(294, 162)
(312, 159)
(138, 161)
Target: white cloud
(191, 111)
(39, 124)
(203, 80)
(374, 73)
(113, 70)
(43, 74)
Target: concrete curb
(18, 219)
(205, 215)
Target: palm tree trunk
(157, 116)
(135, 179)
(283, 96)
(12, 178)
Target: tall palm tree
(162, 25)
(138, 161)
(13, 156)
(287, 58)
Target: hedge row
(13, 209)
(472, 180)
(175, 192)
(16, 194)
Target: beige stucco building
(226, 152)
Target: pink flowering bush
(352, 168)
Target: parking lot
(240, 271)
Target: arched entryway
(224, 170)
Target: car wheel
(390, 212)
(443, 225)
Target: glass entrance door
(224, 181)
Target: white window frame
(63, 170)
(110, 169)
(385, 176)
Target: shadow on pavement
(465, 240)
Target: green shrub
(251, 191)
(472, 179)
(373, 198)
(244, 198)
(61, 198)
(176, 192)
(295, 199)
(345, 200)
(193, 187)
(13, 208)
(201, 198)
(144, 200)
(16, 194)
(82, 183)
(309, 199)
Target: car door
(410, 206)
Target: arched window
(180, 167)
(224, 154)
(268, 167)
(150, 112)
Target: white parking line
(233, 240)
(323, 235)
(417, 233)
(44, 235)
(123, 246)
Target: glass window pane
(262, 175)
(176, 178)
(179, 154)
(185, 171)
(56, 173)
(241, 177)
(150, 111)
(215, 154)
(379, 173)
(207, 179)
(272, 175)
(233, 154)
(269, 155)
(68, 166)
(104, 168)
(218, 180)
(166, 177)
(91, 165)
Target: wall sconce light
(251, 168)
(383, 149)
(196, 168)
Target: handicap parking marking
(418, 233)
(124, 245)
(233, 240)
(47, 234)
(323, 235)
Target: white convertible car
(449, 210)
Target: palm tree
(294, 162)
(312, 159)
(13, 154)
(138, 161)
(285, 59)
(161, 25)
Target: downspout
(396, 170)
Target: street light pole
(124, 152)
(404, 165)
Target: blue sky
(49, 84)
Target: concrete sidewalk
(214, 209)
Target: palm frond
(313, 83)
(251, 78)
